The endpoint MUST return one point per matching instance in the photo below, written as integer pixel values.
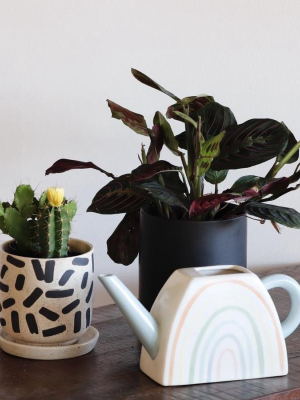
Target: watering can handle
(293, 288)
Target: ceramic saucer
(84, 345)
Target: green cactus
(39, 228)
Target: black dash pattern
(33, 297)
(70, 307)
(4, 269)
(59, 294)
(51, 315)
(31, 323)
(54, 331)
(88, 297)
(77, 321)
(15, 261)
(20, 282)
(65, 277)
(8, 303)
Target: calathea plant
(211, 144)
(41, 227)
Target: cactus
(41, 227)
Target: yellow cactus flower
(55, 196)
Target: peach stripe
(219, 363)
(197, 295)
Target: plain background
(61, 60)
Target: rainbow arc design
(219, 328)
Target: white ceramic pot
(46, 301)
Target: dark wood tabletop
(111, 371)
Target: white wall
(60, 60)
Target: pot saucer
(84, 345)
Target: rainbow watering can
(211, 324)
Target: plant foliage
(211, 144)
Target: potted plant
(170, 220)
(46, 278)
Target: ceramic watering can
(211, 324)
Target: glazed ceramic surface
(84, 345)
(211, 324)
(46, 301)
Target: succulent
(41, 227)
(211, 144)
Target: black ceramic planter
(167, 245)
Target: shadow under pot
(167, 245)
(46, 301)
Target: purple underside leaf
(131, 119)
(147, 171)
(118, 196)
(123, 244)
(157, 141)
(65, 164)
(208, 202)
(251, 143)
(195, 103)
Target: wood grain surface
(111, 370)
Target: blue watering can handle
(293, 288)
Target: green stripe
(205, 328)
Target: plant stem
(185, 183)
(216, 188)
(143, 153)
(277, 167)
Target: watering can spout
(140, 320)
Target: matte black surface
(167, 245)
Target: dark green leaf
(282, 215)
(147, 171)
(161, 193)
(131, 119)
(251, 143)
(262, 186)
(150, 82)
(247, 182)
(215, 118)
(168, 135)
(173, 182)
(65, 164)
(118, 196)
(290, 144)
(181, 139)
(215, 177)
(123, 244)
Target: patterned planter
(46, 301)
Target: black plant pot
(167, 245)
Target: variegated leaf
(118, 196)
(131, 119)
(150, 82)
(147, 171)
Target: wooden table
(111, 371)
